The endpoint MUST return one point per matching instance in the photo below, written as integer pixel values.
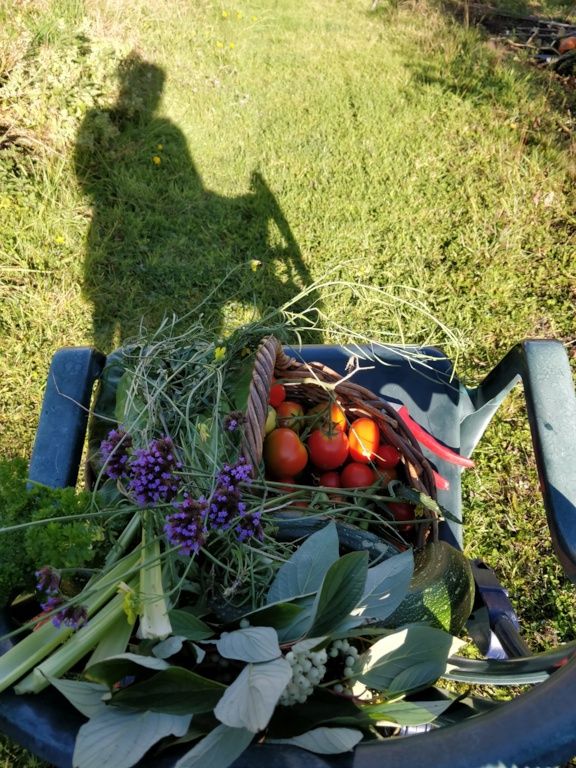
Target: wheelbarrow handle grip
(61, 431)
(545, 371)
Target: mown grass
(392, 146)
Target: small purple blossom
(51, 603)
(72, 616)
(115, 453)
(151, 473)
(47, 580)
(225, 505)
(231, 475)
(234, 421)
(249, 527)
(186, 528)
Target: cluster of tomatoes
(319, 445)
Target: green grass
(393, 146)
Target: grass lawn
(149, 149)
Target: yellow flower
(219, 44)
(231, 45)
(59, 239)
(224, 14)
(159, 147)
(156, 160)
(255, 264)
(254, 18)
(219, 353)
(130, 604)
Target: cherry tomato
(387, 456)
(284, 453)
(357, 475)
(402, 511)
(330, 479)
(329, 415)
(364, 439)
(277, 395)
(290, 415)
(328, 449)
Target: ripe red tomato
(328, 449)
(290, 415)
(284, 453)
(330, 415)
(387, 457)
(364, 439)
(357, 475)
(330, 479)
(277, 395)
(402, 511)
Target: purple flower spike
(186, 528)
(73, 616)
(114, 450)
(249, 527)
(47, 580)
(152, 479)
(231, 475)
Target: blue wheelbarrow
(538, 728)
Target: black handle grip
(64, 417)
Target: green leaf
(169, 647)
(411, 658)
(121, 739)
(113, 669)
(86, 697)
(305, 570)
(252, 698)
(340, 592)
(189, 626)
(175, 691)
(407, 712)
(322, 708)
(386, 587)
(250, 644)
(301, 623)
(276, 615)
(325, 741)
(217, 750)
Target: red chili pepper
(440, 482)
(431, 443)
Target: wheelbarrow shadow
(159, 241)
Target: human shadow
(159, 241)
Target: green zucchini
(441, 592)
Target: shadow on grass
(159, 241)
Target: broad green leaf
(321, 708)
(407, 712)
(341, 590)
(297, 628)
(217, 750)
(175, 691)
(252, 698)
(250, 644)
(113, 669)
(325, 741)
(305, 570)
(189, 626)
(423, 650)
(386, 586)
(277, 615)
(86, 697)
(169, 647)
(119, 738)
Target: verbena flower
(186, 528)
(249, 527)
(231, 475)
(52, 602)
(225, 506)
(115, 453)
(234, 421)
(151, 473)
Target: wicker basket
(314, 383)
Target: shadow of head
(141, 86)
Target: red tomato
(277, 395)
(387, 456)
(364, 439)
(330, 415)
(284, 453)
(357, 475)
(402, 511)
(290, 415)
(328, 450)
(330, 480)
